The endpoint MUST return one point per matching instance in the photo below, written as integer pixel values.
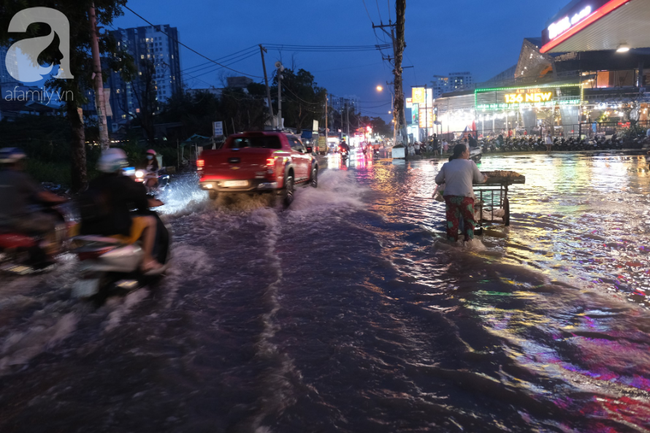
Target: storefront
(529, 110)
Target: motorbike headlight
(139, 174)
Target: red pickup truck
(258, 162)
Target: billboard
(422, 96)
(569, 17)
(528, 97)
(426, 115)
(418, 95)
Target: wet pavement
(349, 313)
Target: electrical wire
(186, 46)
(213, 68)
(228, 58)
(326, 48)
(364, 5)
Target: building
(453, 82)
(341, 103)
(568, 94)
(440, 85)
(156, 55)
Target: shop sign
(426, 115)
(509, 98)
(418, 95)
(528, 96)
(564, 24)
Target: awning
(616, 24)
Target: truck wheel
(313, 180)
(213, 195)
(288, 192)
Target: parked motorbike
(109, 266)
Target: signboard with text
(528, 97)
(217, 129)
(570, 17)
(422, 96)
(426, 116)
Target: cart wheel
(506, 208)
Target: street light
(392, 108)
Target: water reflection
(578, 219)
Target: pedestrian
(459, 175)
(472, 141)
(549, 142)
(445, 146)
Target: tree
(80, 61)
(145, 91)
(302, 99)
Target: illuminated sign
(418, 95)
(528, 97)
(426, 115)
(564, 24)
(409, 103)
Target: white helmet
(112, 160)
(11, 155)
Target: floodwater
(349, 313)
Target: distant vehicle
(255, 162)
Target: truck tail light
(200, 163)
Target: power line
(224, 59)
(326, 48)
(186, 46)
(364, 5)
(214, 68)
(378, 11)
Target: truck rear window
(263, 142)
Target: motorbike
(143, 176)
(343, 152)
(22, 253)
(109, 266)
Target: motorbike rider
(151, 171)
(344, 146)
(115, 195)
(20, 196)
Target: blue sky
(479, 36)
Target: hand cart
(492, 204)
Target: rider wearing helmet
(115, 195)
(20, 194)
(344, 146)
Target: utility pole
(399, 46)
(280, 69)
(100, 101)
(326, 125)
(426, 114)
(341, 108)
(397, 36)
(347, 116)
(268, 89)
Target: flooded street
(349, 313)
